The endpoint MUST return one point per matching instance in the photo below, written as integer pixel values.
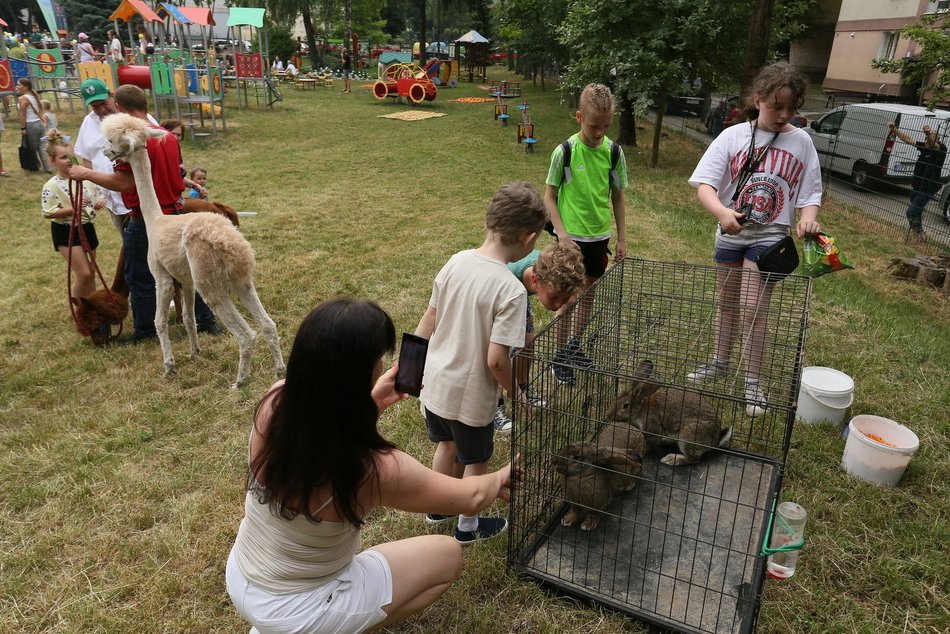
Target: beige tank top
(289, 556)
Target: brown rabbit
(592, 472)
(670, 416)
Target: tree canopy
(931, 67)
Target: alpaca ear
(155, 133)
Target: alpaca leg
(227, 312)
(163, 294)
(248, 296)
(187, 316)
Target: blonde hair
(561, 267)
(515, 210)
(54, 139)
(46, 104)
(596, 98)
(195, 170)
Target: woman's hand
(384, 392)
(510, 476)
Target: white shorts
(353, 602)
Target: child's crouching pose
(476, 314)
(555, 274)
(751, 179)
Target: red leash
(76, 200)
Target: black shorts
(473, 445)
(60, 233)
(595, 257)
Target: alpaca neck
(144, 187)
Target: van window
(831, 123)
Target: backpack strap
(614, 160)
(566, 151)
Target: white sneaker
(501, 421)
(709, 372)
(755, 399)
(534, 399)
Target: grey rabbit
(670, 416)
(592, 472)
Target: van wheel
(946, 209)
(860, 179)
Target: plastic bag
(821, 256)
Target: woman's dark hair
(171, 124)
(26, 83)
(772, 78)
(323, 426)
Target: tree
(931, 67)
(530, 27)
(647, 48)
(90, 16)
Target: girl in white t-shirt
(775, 168)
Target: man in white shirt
(291, 69)
(89, 141)
(115, 47)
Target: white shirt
(291, 69)
(115, 48)
(787, 178)
(88, 146)
(477, 302)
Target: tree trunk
(627, 132)
(658, 130)
(422, 32)
(348, 30)
(311, 37)
(511, 61)
(757, 50)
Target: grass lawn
(121, 490)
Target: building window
(937, 6)
(888, 47)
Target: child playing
(476, 314)
(554, 274)
(51, 120)
(579, 196)
(57, 208)
(199, 181)
(754, 201)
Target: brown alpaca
(104, 306)
(204, 252)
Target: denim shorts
(473, 445)
(733, 254)
(353, 602)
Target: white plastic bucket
(872, 461)
(825, 395)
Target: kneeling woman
(318, 467)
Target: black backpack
(566, 149)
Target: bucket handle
(832, 406)
(787, 548)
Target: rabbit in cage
(670, 416)
(592, 472)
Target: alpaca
(104, 306)
(204, 252)
(216, 206)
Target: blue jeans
(142, 284)
(918, 200)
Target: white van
(855, 140)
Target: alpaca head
(125, 135)
(103, 307)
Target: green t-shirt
(584, 204)
(518, 268)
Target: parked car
(686, 100)
(855, 140)
(500, 56)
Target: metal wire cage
(677, 544)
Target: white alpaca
(204, 252)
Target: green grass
(121, 491)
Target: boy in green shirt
(580, 198)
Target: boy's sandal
(5, 173)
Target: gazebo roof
(472, 37)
